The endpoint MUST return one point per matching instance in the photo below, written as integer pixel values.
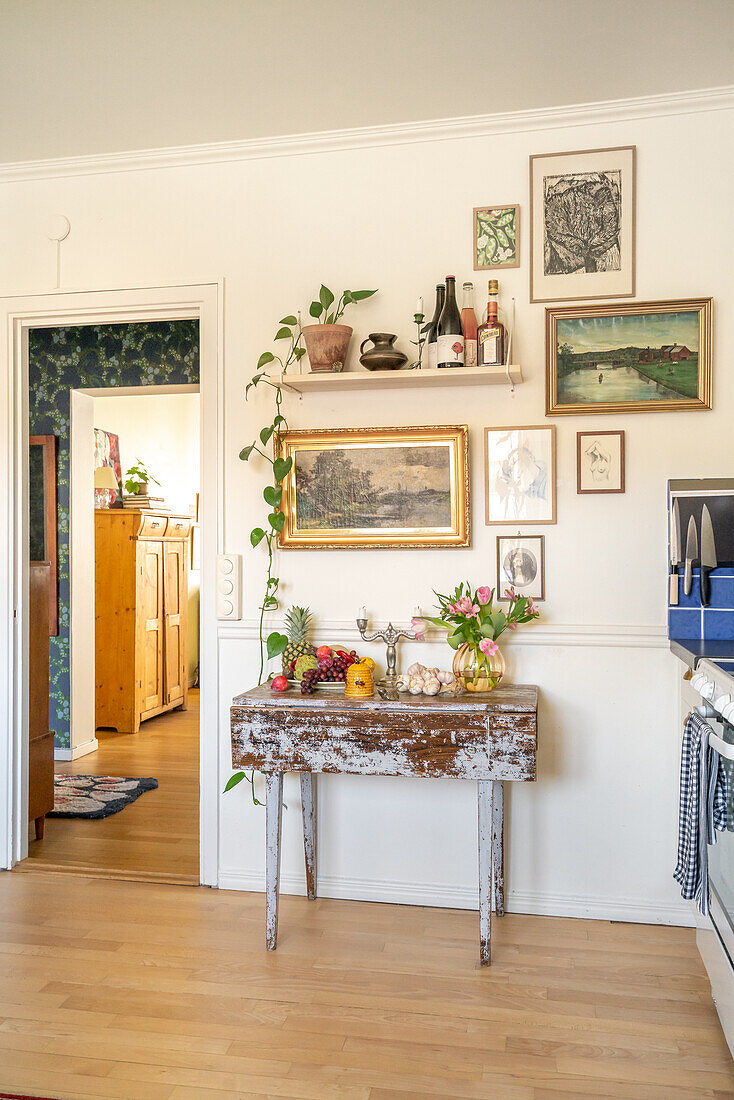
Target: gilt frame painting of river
(376, 488)
(637, 357)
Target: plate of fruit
(307, 667)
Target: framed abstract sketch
(496, 237)
(376, 488)
(600, 462)
(582, 225)
(633, 357)
(520, 474)
(521, 565)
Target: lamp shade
(104, 478)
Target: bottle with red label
(491, 337)
(450, 342)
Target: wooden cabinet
(40, 738)
(141, 597)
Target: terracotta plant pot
(327, 346)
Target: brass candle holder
(390, 636)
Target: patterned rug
(94, 796)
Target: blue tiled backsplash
(690, 620)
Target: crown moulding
(367, 137)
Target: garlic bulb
(403, 683)
(414, 669)
(445, 677)
(431, 687)
(415, 687)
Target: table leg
(308, 806)
(273, 818)
(484, 808)
(498, 847)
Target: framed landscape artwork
(582, 225)
(600, 462)
(376, 488)
(496, 237)
(520, 474)
(521, 565)
(637, 357)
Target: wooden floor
(134, 990)
(156, 837)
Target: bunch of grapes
(331, 669)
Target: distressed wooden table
(489, 738)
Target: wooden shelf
(398, 379)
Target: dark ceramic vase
(383, 356)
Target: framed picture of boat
(376, 488)
(636, 357)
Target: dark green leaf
(316, 309)
(281, 468)
(278, 420)
(272, 495)
(289, 320)
(276, 643)
(256, 535)
(266, 357)
(270, 603)
(233, 781)
(325, 296)
(276, 520)
(283, 334)
(347, 296)
(265, 435)
(299, 352)
(360, 295)
(330, 319)
(272, 581)
(246, 452)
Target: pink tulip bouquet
(472, 620)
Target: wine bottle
(430, 348)
(450, 338)
(491, 335)
(469, 326)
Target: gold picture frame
(651, 371)
(432, 485)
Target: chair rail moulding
(367, 137)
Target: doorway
(20, 316)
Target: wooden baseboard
(35, 867)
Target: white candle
(417, 613)
(362, 613)
(419, 306)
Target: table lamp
(104, 478)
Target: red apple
(279, 683)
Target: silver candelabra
(390, 636)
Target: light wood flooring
(156, 837)
(134, 990)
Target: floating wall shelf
(399, 379)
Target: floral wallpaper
(62, 359)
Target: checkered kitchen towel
(702, 809)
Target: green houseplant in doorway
(138, 479)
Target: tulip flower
(484, 595)
(488, 647)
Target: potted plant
(474, 625)
(327, 341)
(138, 479)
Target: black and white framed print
(521, 565)
(600, 462)
(582, 225)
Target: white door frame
(19, 314)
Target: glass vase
(474, 671)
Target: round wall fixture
(58, 227)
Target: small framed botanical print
(582, 225)
(520, 474)
(600, 462)
(521, 565)
(496, 237)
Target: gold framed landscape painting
(376, 488)
(629, 357)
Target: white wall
(596, 834)
(162, 430)
(79, 77)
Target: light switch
(229, 586)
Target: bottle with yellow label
(491, 335)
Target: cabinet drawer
(152, 526)
(178, 527)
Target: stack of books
(144, 503)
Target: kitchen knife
(691, 555)
(674, 551)
(708, 556)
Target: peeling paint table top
(488, 738)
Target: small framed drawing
(521, 565)
(600, 462)
(582, 225)
(520, 474)
(496, 237)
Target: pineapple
(298, 626)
